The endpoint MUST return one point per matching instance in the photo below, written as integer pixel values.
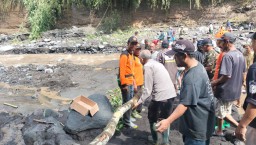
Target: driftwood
(110, 129)
(14, 106)
(41, 121)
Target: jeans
(127, 96)
(191, 141)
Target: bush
(112, 22)
(115, 99)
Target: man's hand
(240, 133)
(135, 105)
(135, 89)
(124, 87)
(162, 125)
(214, 83)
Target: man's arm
(148, 84)
(177, 113)
(221, 80)
(249, 115)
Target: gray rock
(48, 70)
(101, 46)
(47, 40)
(77, 123)
(40, 68)
(50, 133)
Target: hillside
(178, 14)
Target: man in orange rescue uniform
(128, 85)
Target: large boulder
(77, 123)
(50, 132)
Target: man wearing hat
(168, 62)
(229, 82)
(126, 76)
(210, 57)
(139, 79)
(197, 102)
(246, 130)
(159, 86)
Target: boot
(153, 132)
(165, 136)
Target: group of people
(206, 83)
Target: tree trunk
(110, 129)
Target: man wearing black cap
(229, 82)
(126, 76)
(246, 129)
(168, 62)
(210, 57)
(197, 103)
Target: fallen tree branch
(14, 106)
(110, 129)
(41, 121)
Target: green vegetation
(115, 99)
(43, 14)
(112, 22)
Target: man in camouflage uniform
(210, 58)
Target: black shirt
(196, 93)
(199, 57)
(251, 90)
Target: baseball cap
(133, 39)
(228, 37)
(165, 44)
(182, 46)
(138, 46)
(207, 42)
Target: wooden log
(41, 121)
(14, 106)
(110, 129)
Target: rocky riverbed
(46, 74)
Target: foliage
(112, 22)
(43, 14)
(115, 98)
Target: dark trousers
(158, 110)
(127, 96)
(191, 141)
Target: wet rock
(46, 133)
(48, 70)
(51, 113)
(23, 37)
(77, 123)
(40, 68)
(47, 40)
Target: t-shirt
(248, 59)
(210, 61)
(232, 65)
(169, 63)
(199, 56)
(196, 93)
(251, 90)
(217, 68)
(138, 72)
